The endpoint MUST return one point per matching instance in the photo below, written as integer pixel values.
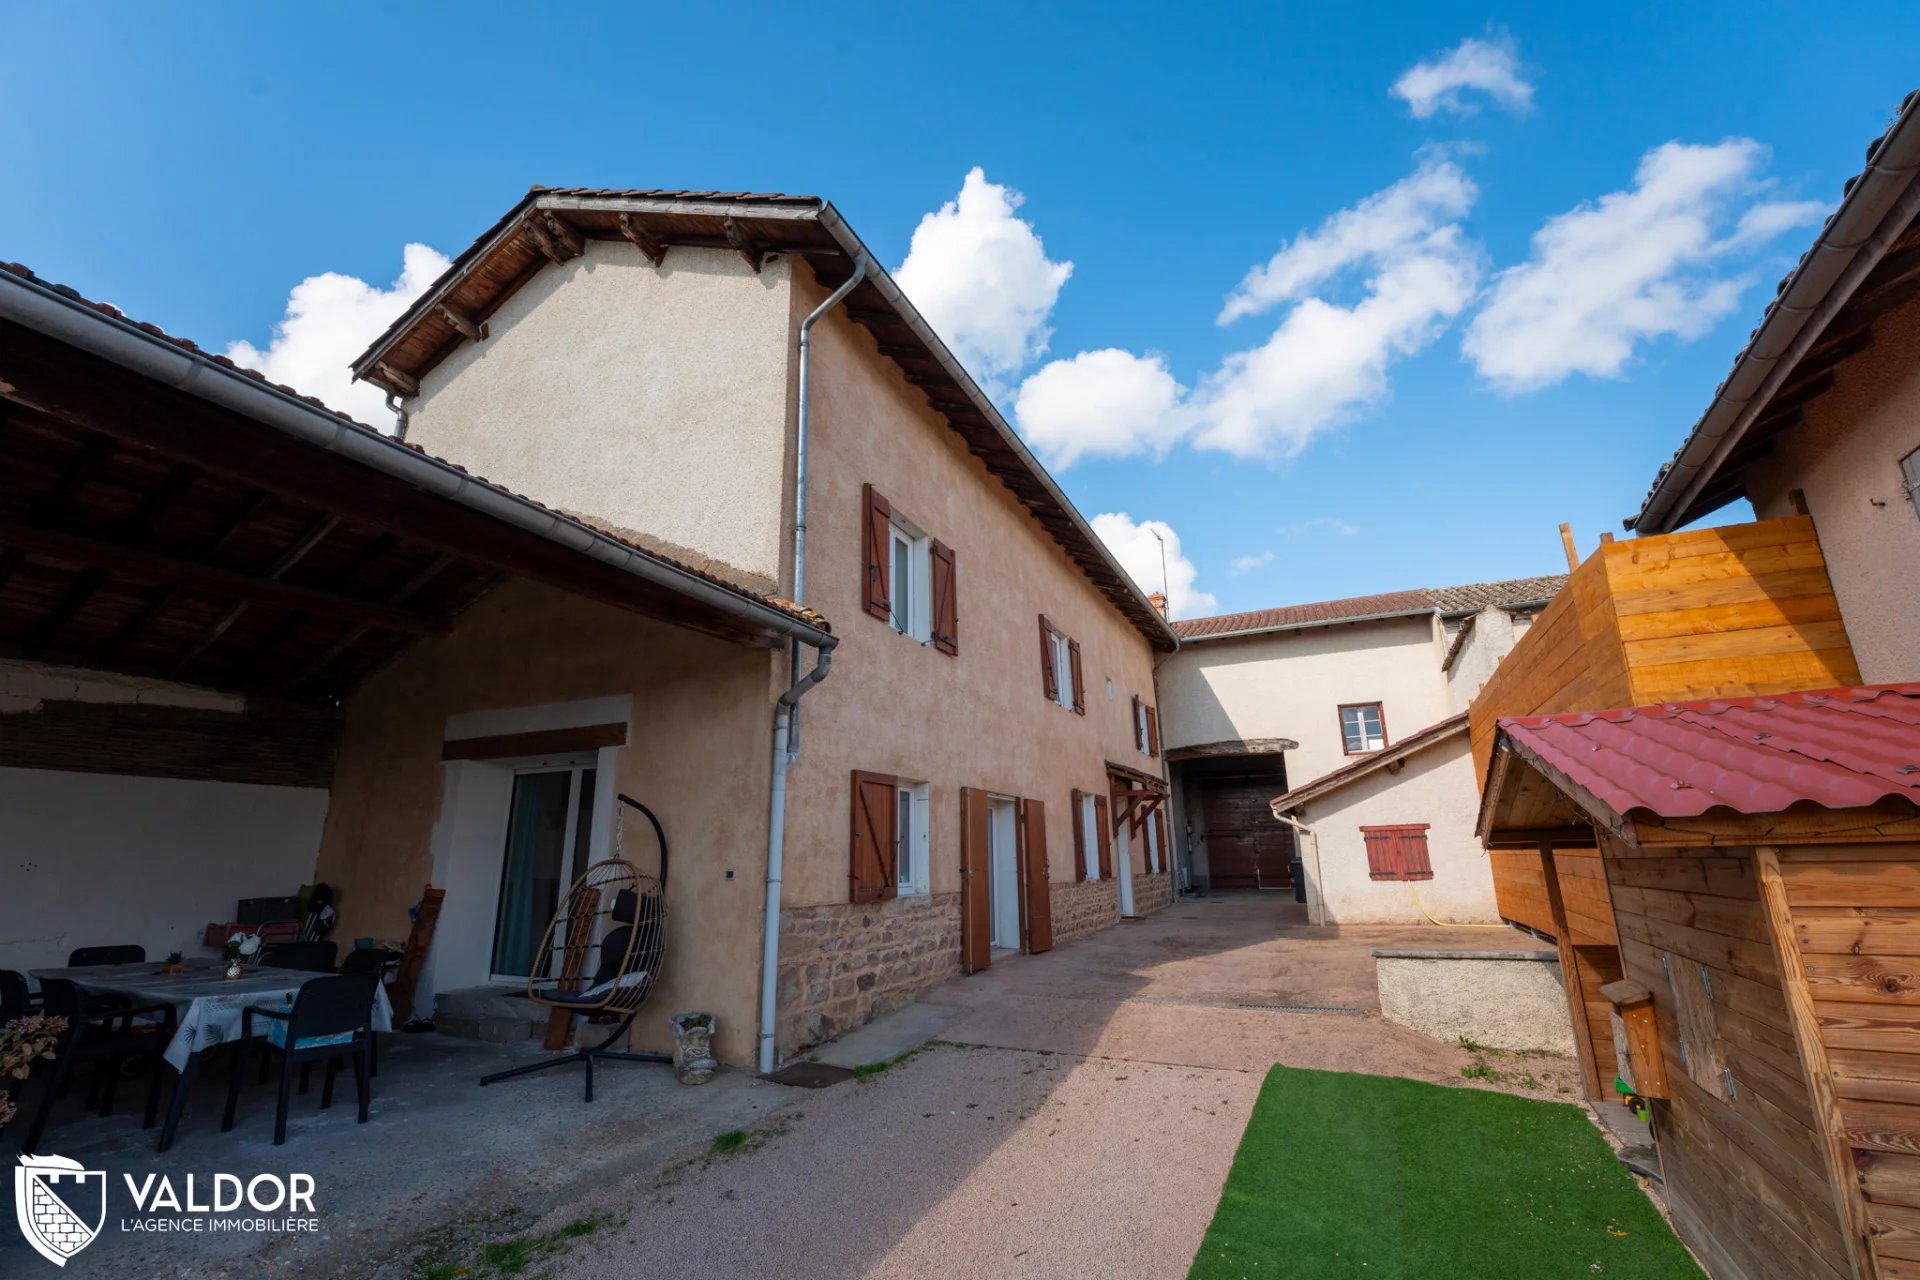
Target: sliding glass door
(549, 826)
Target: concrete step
(498, 1015)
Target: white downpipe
(786, 742)
(1316, 900)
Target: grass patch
(868, 1070)
(501, 1259)
(729, 1142)
(1346, 1175)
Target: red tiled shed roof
(1467, 598)
(1835, 748)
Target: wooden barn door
(976, 902)
(1246, 847)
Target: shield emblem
(61, 1206)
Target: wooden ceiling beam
(249, 507)
(645, 241)
(314, 535)
(354, 634)
(121, 559)
(395, 380)
(469, 328)
(744, 244)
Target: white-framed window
(1109, 688)
(1153, 843)
(1140, 725)
(1062, 670)
(1363, 728)
(908, 570)
(911, 827)
(1090, 836)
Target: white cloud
(1106, 402)
(1138, 552)
(1247, 564)
(1414, 270)
(1385, 226)
(1314, 524)
(1490, 66)
(1637, 264)
(983, 280)
(330, 319)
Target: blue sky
(1443, 385)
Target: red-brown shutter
(877, 534)
(976, 924)
(1049, 683)
(1166, 844)
(1079, 685)
(1139, 740)
(946, 599)
(871, 872)
(1036, 906)
(1153, 733)
(1104, 833)
(1079, 835)
(1398, 852)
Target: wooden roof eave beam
(645, 241)
(153, 566)
(744, 243)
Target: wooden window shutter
(1398, 852)
(1166, 846)
(1079, 685)
(1104, 834)
(1153, 732)
(877, 534)
(1049, 682)
(1139, 740)
(1079, 835)
(946, 599)
(872, 872)
(1036, 905)
(976, 921)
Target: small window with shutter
(912, 580)
(1061, 678)
(1398, 852)
(1363, 728)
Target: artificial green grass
(1345, 1175)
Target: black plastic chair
(16, 1000)
(91, 1036)
(312, 956)
(373, 960)
(87, 957)
(331, 1019)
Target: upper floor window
(911, 581)
(1060, 676)
(1363, 728)
(1146, 729)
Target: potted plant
(21, 1042)
(692, 1053)
(176, 963)
(241, 948)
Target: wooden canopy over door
(1247, 847)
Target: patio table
(208, 1007)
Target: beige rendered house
(1330, 740)
(726, 407)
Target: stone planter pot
(692, 1047)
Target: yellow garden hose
(1445, 924)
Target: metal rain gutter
(45, 310)
(1882, 202)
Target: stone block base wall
(1083, 906)
(843, 964)
(1151, 893)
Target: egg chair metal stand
(616, 915)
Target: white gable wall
(650, 398)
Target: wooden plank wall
(1856, 916)
(1746, 1179)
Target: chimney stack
(1159, 602)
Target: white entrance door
(549, 824)
(1003, 874)
(1123, 865)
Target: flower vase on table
(241, 950)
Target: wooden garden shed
(1762, 860)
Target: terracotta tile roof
(1835, 748)
(1357, 769)
(1468, 598)
(109, 311)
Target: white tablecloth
(207, 1003)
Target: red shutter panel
(1139, 739)
(1153, 732)
(1079, 685)
(946, 599)
(1036, 908)
(1079, 835)
(877, 534)
(1049, 683)
(871, 871)
(1398, 852)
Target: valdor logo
(53, 1197)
